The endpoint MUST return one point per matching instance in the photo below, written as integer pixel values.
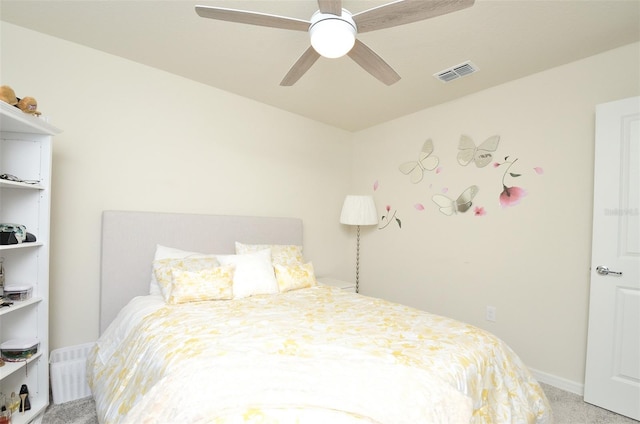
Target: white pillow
(281, 254)
(253, 275)
(163, 252)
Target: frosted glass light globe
(332, 36)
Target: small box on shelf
(16, 350)
(18, 292)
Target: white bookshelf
(26, 152)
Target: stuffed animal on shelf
(28, 105)
(7, 95)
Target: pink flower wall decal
(375, 185)
(538, 170)
(419, 206)
(386, 219)
(511, 196)
(479, 211)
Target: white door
(612, 379)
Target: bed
(193, 330)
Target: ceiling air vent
(456, 72)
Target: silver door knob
(603, 270)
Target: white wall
(136, 138)
(141, 139)
(530, 261)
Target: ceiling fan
(333, 26)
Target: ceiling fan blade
(372, 63)
(333, 7)
(252, 18)
(301, 66)
(404, 12)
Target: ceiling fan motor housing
(332, 36)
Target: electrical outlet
(491, 313)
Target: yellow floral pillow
(293, 277)
(282, 254)
(162, 269)
(207, 284)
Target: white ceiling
(505, 39)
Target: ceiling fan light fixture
(333, 30)
(332, 36)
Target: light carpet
(568, 408)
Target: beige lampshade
(359, 210)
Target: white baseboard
(559, 382)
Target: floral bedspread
(313, 355)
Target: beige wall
(136, 138)
(141, 139)
(531, 261)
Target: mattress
(313, 355)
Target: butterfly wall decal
(461, 204)
(481, 155)
(426, 162)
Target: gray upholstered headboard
(129, 242)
